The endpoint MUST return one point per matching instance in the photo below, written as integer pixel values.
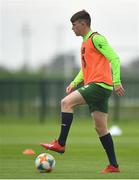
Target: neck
(86, 31)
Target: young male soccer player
(99, 79)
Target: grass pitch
(84, 157)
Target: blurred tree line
(28, 91)
(62, 66)
(131, 71)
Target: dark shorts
(96, 97)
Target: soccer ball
(45, 162)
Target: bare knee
(66, 105)
(101, 131)
(100, 120)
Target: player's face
(78, 27)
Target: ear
(83, 23)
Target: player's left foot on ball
(110, 169)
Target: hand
(119, 90)
(69, 89)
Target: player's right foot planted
(54, 146)
(110, 169)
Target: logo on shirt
(100, 46)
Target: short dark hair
(81, 15)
